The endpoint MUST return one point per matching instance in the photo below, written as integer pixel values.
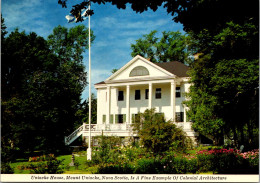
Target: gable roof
(177, 68)
(136, 58)
(172, 68)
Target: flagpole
(89, 150)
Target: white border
(127, 178)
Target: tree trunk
(235, 137)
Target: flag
(72, 18)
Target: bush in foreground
(158, 135)
(221, 161)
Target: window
(146, 93)
(137, 94)
(179, 116)
(120, 95)
(178, 91)
(120, 118)
(158, 93)
(135, 117)
(139, 71)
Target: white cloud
(30, 15)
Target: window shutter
(116, 118)
(104, 118)
(124, 118)
(182, 115)
(133, 118)
(111, 119)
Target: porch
(119, 130)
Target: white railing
(113, 127)
(96, 127)
(78, 132)
(74, 135)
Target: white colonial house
(137, 86)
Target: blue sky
(115, 29)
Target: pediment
(139, 67)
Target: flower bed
(223, 161)
(228, 161)
(48, 157)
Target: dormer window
(139, 71)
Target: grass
(81, 158)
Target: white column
(173, 99)
(108, 104)
(150, 95)
(128, 104)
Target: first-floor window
(120, 118)
(179, 116)
(135, 117)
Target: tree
(3, 28)
(225, 83)
(114, 70)
(83, 112)
(190, 13)
(172, 46)
(70, 44)
(42, 86)
(22, 57)
(158, 135)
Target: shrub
(158, 135)
(228, 161)
(107, 151)
(50, 166)
(179, 165)
(6, 168)
(148, 166)
(111, 168)
(251, 160)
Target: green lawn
(81, 158)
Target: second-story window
(178, 91)
(137, 94)
(146, 93)
(158, 93)
(120, 95)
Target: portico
(124, 100)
